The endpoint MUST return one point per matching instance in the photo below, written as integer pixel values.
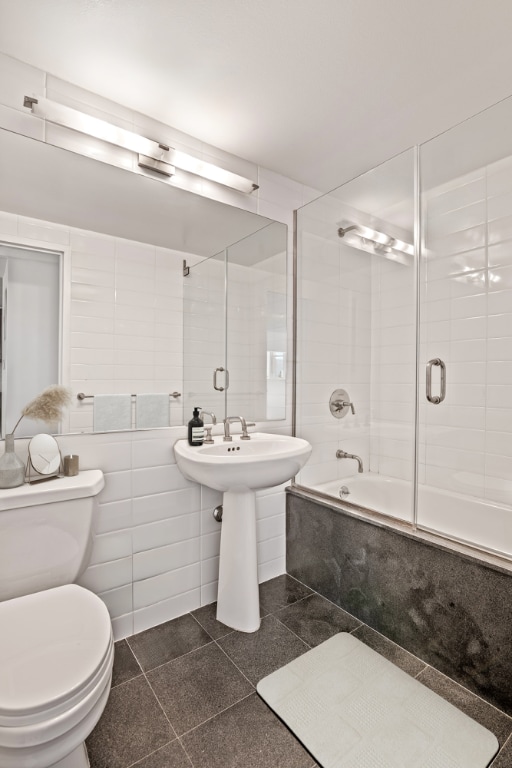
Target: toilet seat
(56, 651)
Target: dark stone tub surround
(449, 608)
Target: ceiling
(318, 91)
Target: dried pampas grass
(47, 406)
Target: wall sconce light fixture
(373, 241)
(151, 154)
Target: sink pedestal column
(238, 603)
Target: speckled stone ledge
(449, 609)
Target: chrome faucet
(345, 455)
(208, 429)
(229, 420)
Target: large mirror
(104, 305)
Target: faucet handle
(208, 429)
(245, 435)
(340, 404)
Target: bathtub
(466, 519)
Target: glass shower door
(465, 369)
(204, 338)
(356, 333)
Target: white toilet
(56, 644)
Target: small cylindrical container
(71, 465)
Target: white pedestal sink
(238, 469)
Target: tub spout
(345, 455)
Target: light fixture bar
(147, 148)
(373, 241)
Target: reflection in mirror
(234, 318)
(121, 239)
(30, 331)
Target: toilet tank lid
(87, 483)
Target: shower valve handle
(340, 404)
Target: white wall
(156, 547)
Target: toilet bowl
(56, 644)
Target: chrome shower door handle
(436, 399)
(226, 379)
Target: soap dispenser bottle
(196, 429)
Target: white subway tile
(151, 453)
(270, 527)
(209, 570)
(160, 506)
(209, 593)
(500, 326)
(117, 487)
(271, 549)
(210, 544)
(150, 480)
(33, 229)
(166, 585)
(271, 569)
(158, 613)
(113, 516)
(107, 576)
(118, 601)
(95, 245)
(111, 546)
(165, 532)
(163, 559)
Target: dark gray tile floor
(183, 693)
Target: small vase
(12, 469)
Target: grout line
(133, 654)
(506, 743)
(235, 665)
(472, 693)
(291, 630)
(185, 751)
(154, 752)
(229, 632)
(161, 707)
(125, 682)
(252, 693)
(176, 658)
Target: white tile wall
(134, 337)
(356, 332)
(467, 320)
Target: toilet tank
(46, 532)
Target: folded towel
(112, 412)
(152, 410)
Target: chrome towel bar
(81, 396)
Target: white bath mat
(352, 708)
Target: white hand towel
(112, 412)
(152, 410)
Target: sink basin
(239, 468)
(241, 465)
